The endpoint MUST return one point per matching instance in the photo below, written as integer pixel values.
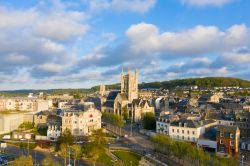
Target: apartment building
(189, 130)
(227, 139)
(23, 104)
(81, 120)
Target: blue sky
(80, 43)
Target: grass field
(128, 158)
(105, 160)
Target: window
(188, 138)
(243, 146)
(221, 141)
(173, 130)
(221, 134)
(182, 131)
(183, 137)
(188, 131)
(177, 130)
(231, 135)
(248, 146)
(231, 143)
(193, 133)
(193, 139)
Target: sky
(46, 44)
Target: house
(139, 108)
(54, 131)
(80, 121)
(227, 138)
(245, 150)
(163, 123)
(189, 130)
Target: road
(139, 143)
(38, 156)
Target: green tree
(22, 160)
(65, 138)
(113, 119)
(77, 153)
(96, 146)
(148, 121)
(64, 152)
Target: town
(187, 125)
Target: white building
(81, 121)
(163, 123)
(189, 130)
(23, 104)
(10, 122)
(54, 131)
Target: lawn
(128, 157)
(105, 160)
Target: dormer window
(231, 135)
(243, 146)
(221, 134)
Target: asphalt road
(39, 156)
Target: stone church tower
(129, 85)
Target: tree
(77, 153)
(113, 119)
(96, 145)
(48, 161)
(65, 138)
(64, 152)
(148, 121)
(23, 160)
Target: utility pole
(131, 127)
(28, 146)
(69, 157)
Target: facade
(23, 104)
(227, 139)
(189, 130)
(129, 85)
(10, 122)
(81, 122)
(127, 98)
(54, 131)
(163, 123)
(139, 108)
(245, 151)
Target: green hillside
(207, 82)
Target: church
(127, 98)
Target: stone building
(227, 138)
(81, 121)
(128, 98)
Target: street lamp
(69, 157)
(242, 160)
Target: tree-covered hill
(207, 82)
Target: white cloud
(197, 40)
(207, 2)
(62, 26)
(139, 6)
(14, 19)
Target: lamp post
(242, 160)
(69, 157)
